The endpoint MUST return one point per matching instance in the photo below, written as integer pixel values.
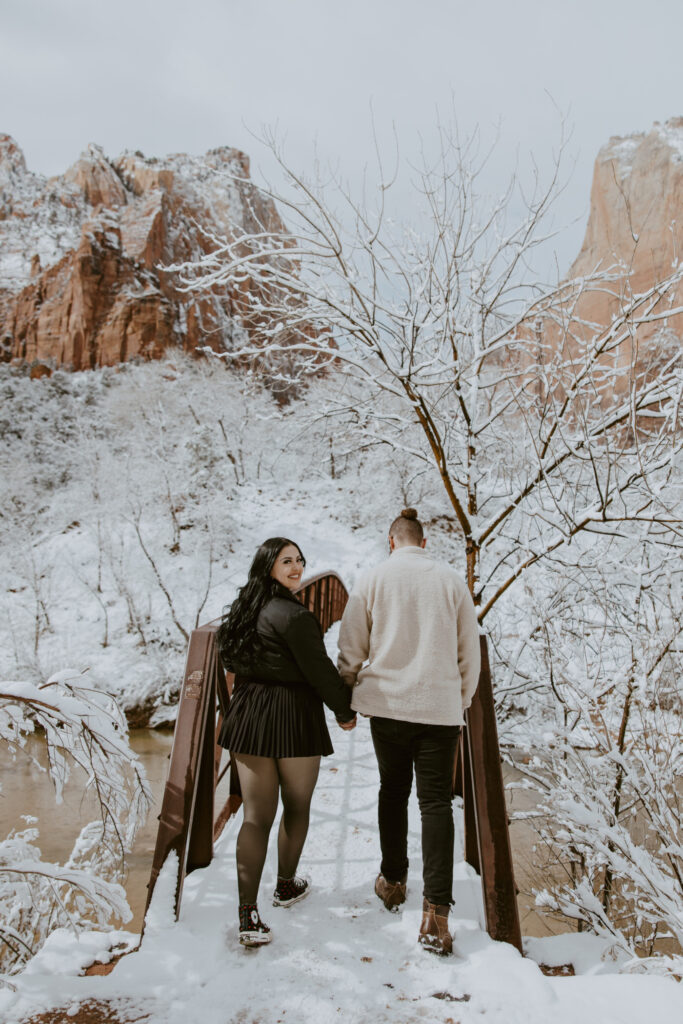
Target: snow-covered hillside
(133, 499)
(39, 220)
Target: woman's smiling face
(289, 567)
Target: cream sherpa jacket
(409, 641)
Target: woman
(275, 726)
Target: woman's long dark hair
(236, 637)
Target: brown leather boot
(392, 894)
(434, 934)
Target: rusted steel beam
(490, 812)
(178, 804)
(200, 840)
(462, 787)
(230, 808)
(469, 806)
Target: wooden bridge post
(487, 818)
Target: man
(409, 645)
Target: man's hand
(347, 726)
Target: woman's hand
(347, 726)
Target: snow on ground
(337, 956)
(79, 590)
(153, 450)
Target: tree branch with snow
(85, 741)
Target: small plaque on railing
(193, 686)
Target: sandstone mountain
(82, 255)
(636, 220)
(82, 282)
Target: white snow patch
(672, 133)
(161, 914)
(621, 150)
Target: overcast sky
(167, 76)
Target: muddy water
(528, 877)
(26, 790)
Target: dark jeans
(431, 748)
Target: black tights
(262, 780)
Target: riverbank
(24, 786)
(337, 956)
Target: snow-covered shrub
(82, 730)
(608, 769)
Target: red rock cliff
(636, 219)
(82, 282)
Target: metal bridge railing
(189, 823)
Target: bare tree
(539, 424)
(556, 440)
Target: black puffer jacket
(294, 652)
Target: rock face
(82, 282)
(636, 219)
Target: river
(27, 790)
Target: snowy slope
(132, 502)
(87, 460)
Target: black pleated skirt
(275, 720)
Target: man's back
(412, 620)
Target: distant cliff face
(82, 282)
(636, 218)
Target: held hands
(347, 726)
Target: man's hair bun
(407, 528)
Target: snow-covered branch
(536, 421)
(85, 741)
